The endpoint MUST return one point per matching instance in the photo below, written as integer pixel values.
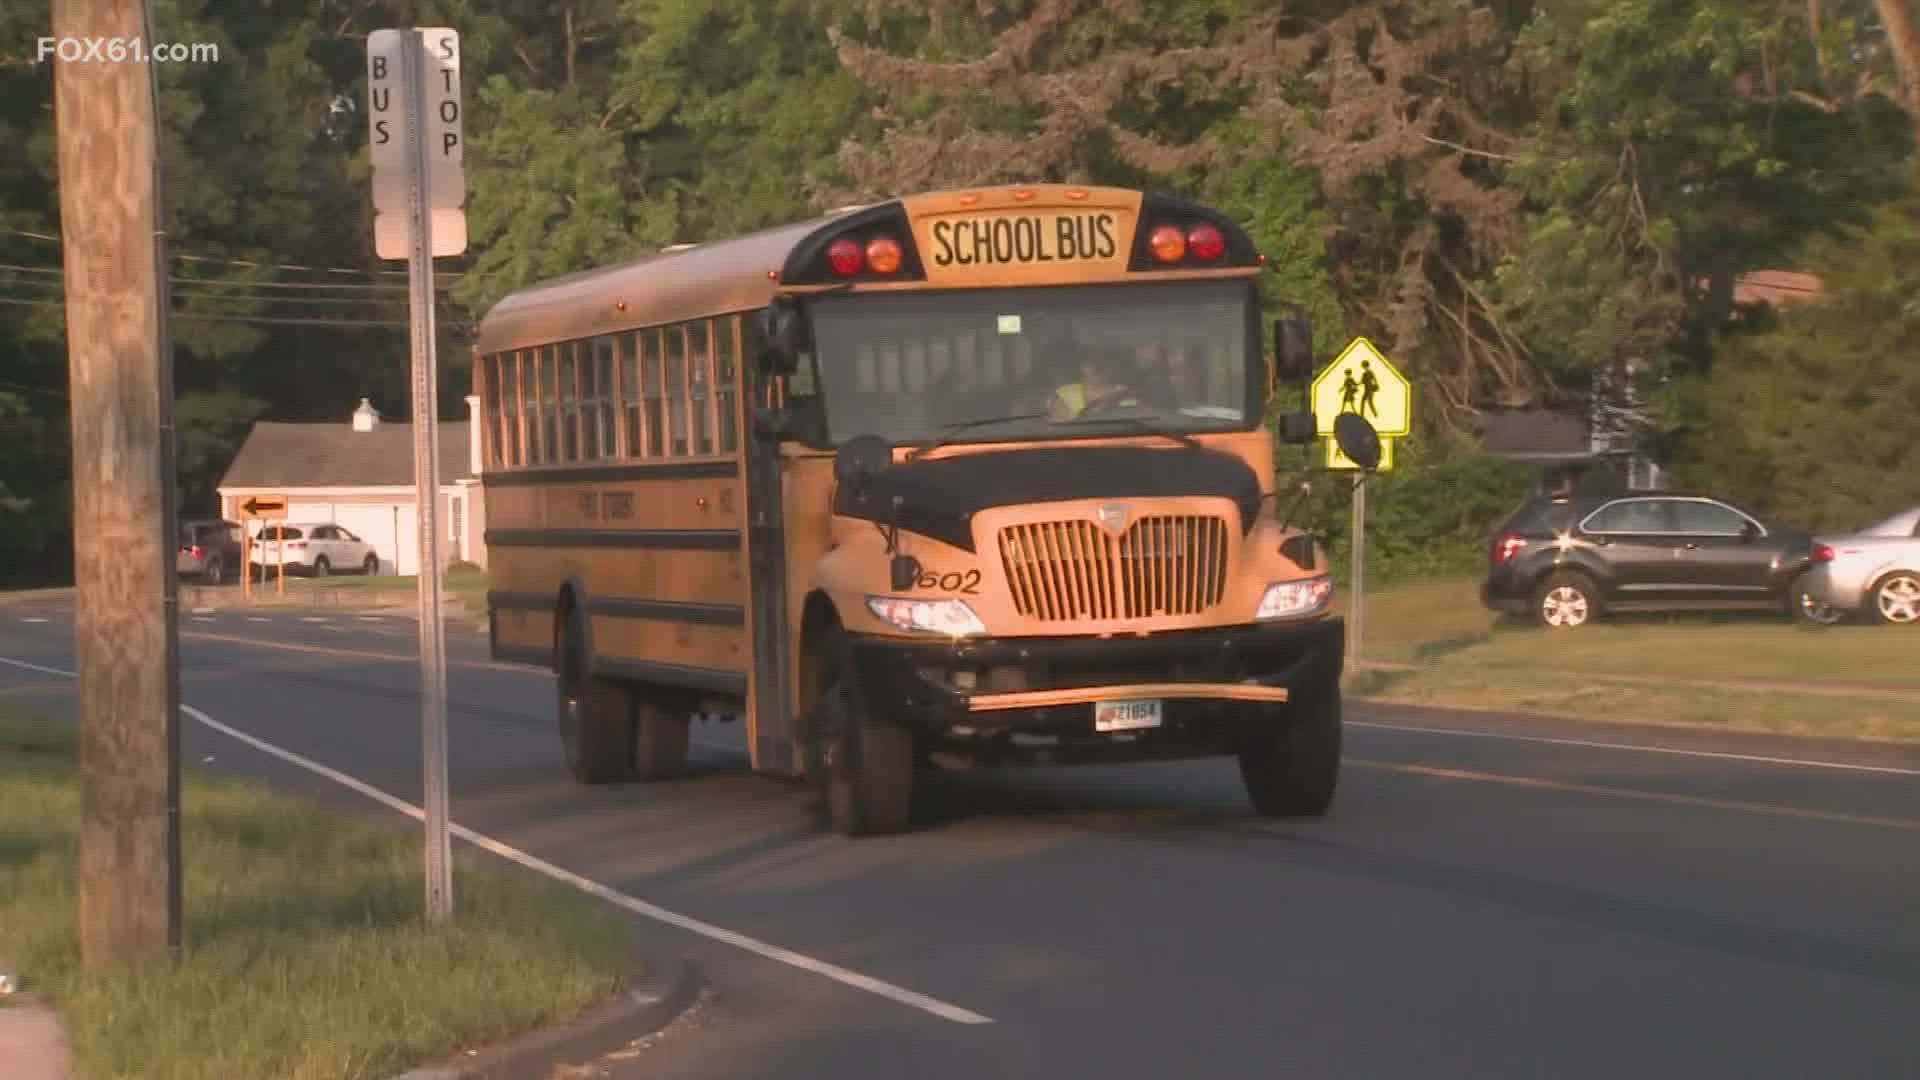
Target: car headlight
(950, 617)
(1290, 599)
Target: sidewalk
(32, 1043)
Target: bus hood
(939, 497)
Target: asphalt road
(1491, 896)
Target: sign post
(261, 508)
(1362, 381)
(419, 189)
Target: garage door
(389, 528)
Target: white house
(359, 475)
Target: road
(1491, 896)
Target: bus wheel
(1291, 770)
(596, 717)
(868, 763)
(661, 731)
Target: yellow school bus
(956, 479)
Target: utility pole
(125, 635)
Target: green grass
(1597, 698)
(1465, 656)
(460, 581)
(306, 956)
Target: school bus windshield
(1059, 362)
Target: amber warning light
(881, 255)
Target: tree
(1823, 398)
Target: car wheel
(1564, 601)
(321, 567)
(1896, 598)
(1804, 604)
(371, 566)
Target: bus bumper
(1035, 699)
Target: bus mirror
(1292, 348)
(782, 337)
(859, 459)
(1298, 428)
(1358, 440)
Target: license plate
(1125, 715)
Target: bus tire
(595, 715)
(1292, 769)
(661, 732)
(867, 762)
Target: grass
(306, 956)
(1464, 655)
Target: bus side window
(605, 420)
(699, 390)
(676, 390)
(652, 361)
(489, 373)
(726, 380)
(568, 396)
(630, 401)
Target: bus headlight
(1290, 599)
(950, 617)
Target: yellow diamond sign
(1363, 381)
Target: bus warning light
(883, 254)
(845, 256)
(1205, 243)
(1168, 244)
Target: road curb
(668, 988)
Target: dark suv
(209, 550)
(1566, 559)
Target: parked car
(209, 550)
(316, 548)
(1873, 573)
(1565, 560)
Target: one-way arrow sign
(264, 507)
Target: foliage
(1826, 395)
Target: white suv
(318, 548)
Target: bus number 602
(952, 581)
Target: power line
(316, 321)
(55, 240)
(177, 279)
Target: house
(1565, 446)
(359, 475)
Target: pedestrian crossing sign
(1363, 381)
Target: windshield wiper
(1143, 428)
(948, 433)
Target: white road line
(204, 618)
(313, 618)
(258, 618)
(372, 618)
(611, 895)
(1640, 748)
(32, 619)
(203, 611)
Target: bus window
(522, 405)
(652, 389)
(699, 402)
(675, 390)
(489, 371)
(627, 371)
(725, 379)
(568, 396)
(604, 391)
(550, 404)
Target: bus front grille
(1067, 571)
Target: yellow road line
(351, 654)
(1569, 787)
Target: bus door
(770, 705)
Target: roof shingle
(281, 454)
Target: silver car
(1874, 572)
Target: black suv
(209, 550)
(1566, 559)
